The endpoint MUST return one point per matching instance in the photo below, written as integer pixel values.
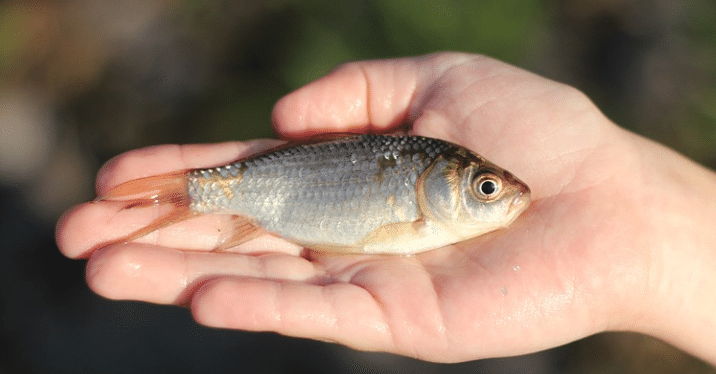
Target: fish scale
(363, 182)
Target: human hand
(585, 257)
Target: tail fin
(169, 188)
(158, 189)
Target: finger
(166, 158)
(338, 312)
(158, 275)
(356, 97)
(86, 226)
(369, 96)
(90, 226)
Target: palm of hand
(529, 287)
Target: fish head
(468, 195)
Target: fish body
(357, 194)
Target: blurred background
(84, 80)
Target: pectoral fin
(407, 238)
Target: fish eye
(487, 186)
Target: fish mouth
(523, 197)
(519, 203)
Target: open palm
(569, 267)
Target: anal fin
(241, 231)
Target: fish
(366, 193)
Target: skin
(617, 236)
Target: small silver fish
(356, 194)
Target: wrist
(680, 211)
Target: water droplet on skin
(516, 268)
